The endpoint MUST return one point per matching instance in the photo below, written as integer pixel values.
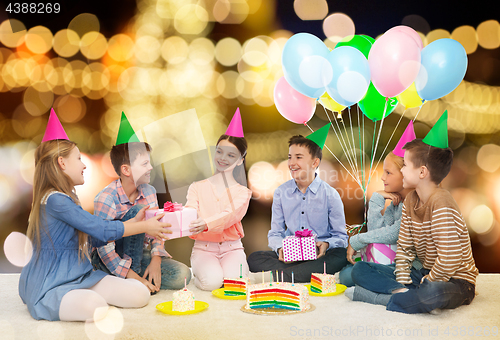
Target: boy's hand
(133, 275)
(156, 228)
(154, 272)
(281, 257)
(350, 253)
(322, 247)
(197, 226)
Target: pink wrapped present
(379, 253)
(300, 247)
(178, 216)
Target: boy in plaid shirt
(121, 200)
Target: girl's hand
(350, 253)
(198, 226)
(156, 228)
(395, 197)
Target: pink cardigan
(222, 214)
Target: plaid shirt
(112, 204)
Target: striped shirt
(436, 233)
(112, 203)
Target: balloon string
(353, 144)
(420, 108)
(393, 132)
(341, 142)
(335, 157)
(362, 173)
(376, 144)
(349, 148)
(372, 150)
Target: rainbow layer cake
(183, 300)
(281, 295)
(323, 283)
(235, 287)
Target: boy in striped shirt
(432, 230)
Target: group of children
(115, 257)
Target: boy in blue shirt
(305, 202)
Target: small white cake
(183, 300)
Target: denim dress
(55, 268)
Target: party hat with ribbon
(438, 135)
(54, 129)
(407, 136)
(319, 136)
(125, 133)
(235, 128)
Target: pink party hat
(407, 136)
(235, 128)
(54, 129)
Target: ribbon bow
(303, 233)
(171, 207)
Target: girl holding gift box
(383, 226)
(221, 201)
(58, 283)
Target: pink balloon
(394, 61)
(411, 32)
(292, 104)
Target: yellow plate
(220, 294)
(166, 307)
(340, 290)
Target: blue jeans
(420, 297)
(172, 272)
(335, 259)
(345, 277)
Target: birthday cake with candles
(323, 283)
(277, 295)
(183, 300)
(235, 287)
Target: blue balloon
(302, 59)
(443, 66)
(347, 75)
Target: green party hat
(125, 133)
(319, 136)
(438, 135)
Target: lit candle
(292, 279)
(185, 282)
(241, 270)
(271, 276)
(282, 276)
(277, 276)
(324, 267)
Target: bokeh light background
(169, 56)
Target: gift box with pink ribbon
(379, 253)
(300, 247)
(178, 216)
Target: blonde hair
(398, 161)
(49, 177)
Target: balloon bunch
(374, 74)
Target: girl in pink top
(221, 203)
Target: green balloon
(373, 104)
(363, 43)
